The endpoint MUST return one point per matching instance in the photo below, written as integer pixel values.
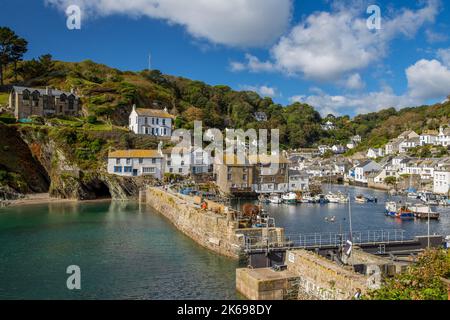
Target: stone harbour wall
(322, 279)
(215, 231)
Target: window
(141, 161)
(148, 170)
(182, 163)
(62, 98)
(25, 95)
(171, 170)
(153, 160)
(164, 122)
(128, 169)
(169, 163)
(157, 120)
(165, 131)
(118, 161)
(128, 161)
(180, 170)
(229, 177)
(117, 169)
(244, 177)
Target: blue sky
(320, 52)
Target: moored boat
(360, 199)
(422, 211)
(263, 199)
(332, 198)
(398, 211)
(290, 198)
(275, 199)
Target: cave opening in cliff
(101, 191)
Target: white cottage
(134, 163)
(152, 122)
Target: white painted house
(134, 163)
(441, 183)
(152, 122)
(428, 137)
(178, 161)
(363, 170)
(298, 181)
(374, 153)
(444, 136)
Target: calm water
(123, 253)
(127, 252)
(310, 218)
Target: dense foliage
(422, 281)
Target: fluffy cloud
(264, 91)
(354, 82)
(328, 46)
(428, 79)
(243, 23)
(252, 64)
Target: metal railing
(330, 239)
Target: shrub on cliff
(422, 281)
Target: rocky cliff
(38, 159)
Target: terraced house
(28, 102)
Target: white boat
(275, 199)
(398, 211)
(422, 211)
(413, 195)
(360, 199)
(307, 199)
(332, 198)
(290, 197)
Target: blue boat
(403, 212)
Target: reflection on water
(310, 218)
(124, 251)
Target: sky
(330, 54)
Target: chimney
(48, 91)
(165, 109)
(134, 107)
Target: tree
(422, 281)
(18, 50)
(391, 181)
(7, 38)
(41, 67)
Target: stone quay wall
(321, 279)
(218, 232)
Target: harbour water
(127, 251)
(124, 252)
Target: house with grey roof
(47, 102)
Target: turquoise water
(124, 252)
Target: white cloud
(242, 23)
(433, 36)
(428, 79)
(252, 64)
(354, 82)
(264, 91)
(444, 55)
(329, 46)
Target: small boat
(307, 199)
(371, 199)
(263, 199)
(413, 195)
(395, 211)
(342, 198)
(422, 211)
(321, 199)
(360, 199)
(290, 198)
(332, 198)
(275, 199)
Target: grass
(4, 99)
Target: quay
(274, 265)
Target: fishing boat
(290, 198)
(422, 211)
(371, 199)
(275, 199)
(307, 198)
(332, 198)
(429, 198)
(398, 211)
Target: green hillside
(109, 94)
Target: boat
(290, 198)
(398, 211)
(320, 198)
(342, 198)
(360, 199)
(371, 199)
(422, 211)
(275, 199)
(263, 199)
(307, 199)
(429, 198)
(332, 198)
(413, 195)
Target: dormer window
(26, 95)
(62, 97)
